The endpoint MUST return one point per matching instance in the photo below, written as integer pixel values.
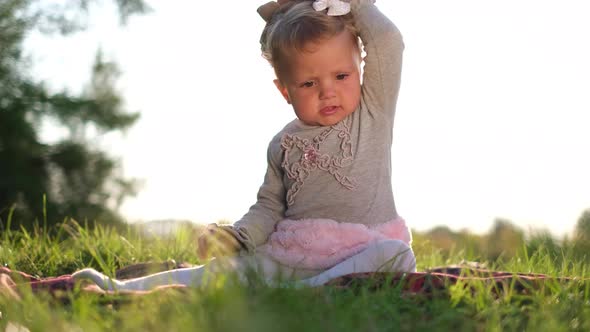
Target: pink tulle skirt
(322, 243)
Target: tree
(504, 240)
(75, 178)
(582, 232)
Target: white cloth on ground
(385, 256)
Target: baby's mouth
(329, 110)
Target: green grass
(226, 307)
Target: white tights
(385, 256)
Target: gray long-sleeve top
(341, 172)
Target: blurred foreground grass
(258, 308)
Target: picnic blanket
(430, 282)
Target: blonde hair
(294, 25)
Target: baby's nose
(327, 90)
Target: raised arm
(383, 45)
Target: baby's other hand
(216, 242)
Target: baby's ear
(283, 90)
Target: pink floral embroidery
(310, 154)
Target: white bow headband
(334, 7)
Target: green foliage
(582, 231)
(504, 242)
(74, 246)
(505, 239)
(76, 179)
(228, 307)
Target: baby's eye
(341, 77)
(307, 84)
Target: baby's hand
(266, 11)
(216, 242)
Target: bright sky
(493, 117)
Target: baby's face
(323, 82)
